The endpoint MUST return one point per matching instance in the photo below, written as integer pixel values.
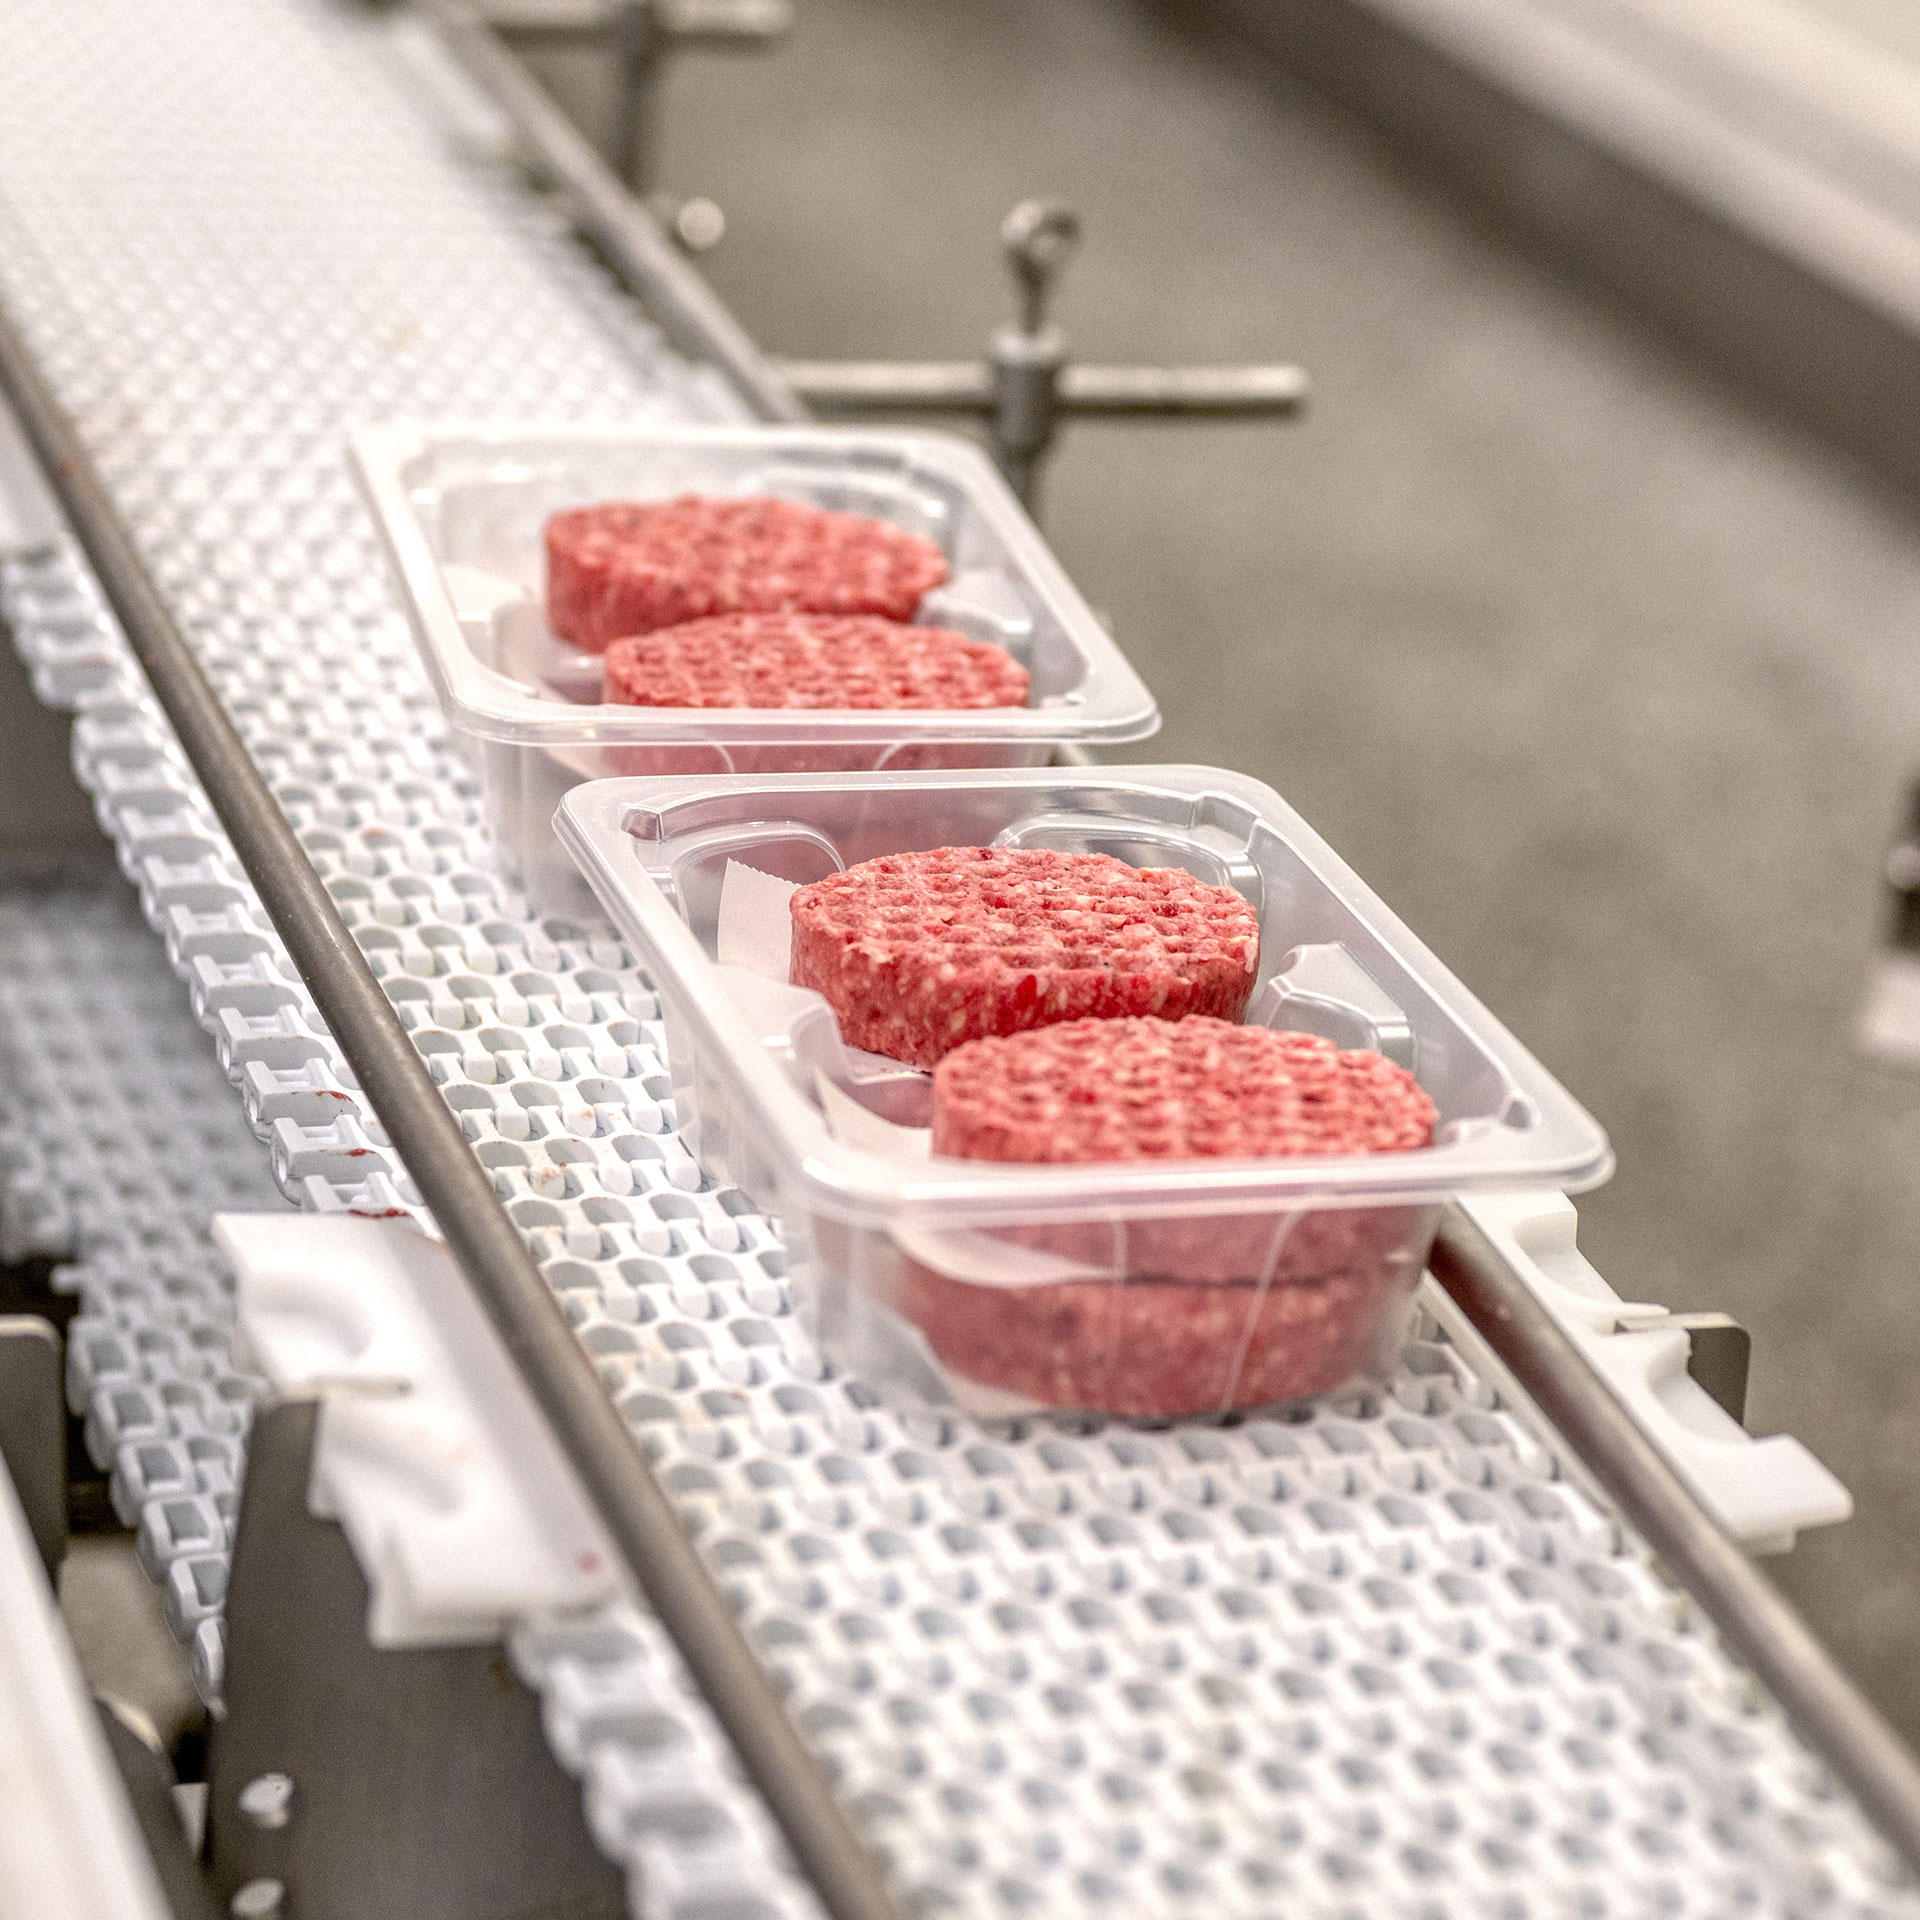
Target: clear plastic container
(462, 512)
(1147, 1287)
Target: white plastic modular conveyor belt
(119, 1140)
(1381, 1655)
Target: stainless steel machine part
(325, 1736)
(641, 34)
(33, 1430)
(1337, 1448)
(392, 1074)
(1026, 386)
(148, 1777)
(70, 1845)
(679, 302)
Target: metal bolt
(1038, 237)
(266, 1801)
(699, 225)
(258, 1900)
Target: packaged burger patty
(811, 660)
(627, 567)
(1174, 1315)
(1152, 1349)
(918, 952)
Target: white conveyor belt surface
(1381, 1655)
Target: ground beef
(1147, 1090)
(918, 952)
(811, 660)
(629, 567)
(1157, 1349)
(1203, 1313)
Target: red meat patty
(811, 660)
(1202, 1313)
(1156, 1349)
(917, 952)
(631, 567)
(1148, 1090)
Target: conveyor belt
(1381, 1655)
(120, 1140)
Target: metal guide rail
(1379, 1655)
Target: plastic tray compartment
(1152, 1288)
(461, 514)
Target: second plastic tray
(1145, 1287)
(462, 511)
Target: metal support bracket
(33, 1430)
(148, 1777)
(432, 1456)
(1889, 1025)
(347, 1781)
(1026, 386)
(70, 1846)
(1681, 1376)
(466, 1530)
(641, 35)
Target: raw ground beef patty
(1153, 1349)
(811, 660)
(631, 567)
(1204, 1313)
(918, 952)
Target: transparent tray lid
(1333, 960)
(461, 512)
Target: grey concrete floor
(1605, 683)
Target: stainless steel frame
(680, 303)
(1026, 386)
(640, 34)
(1826, 1708)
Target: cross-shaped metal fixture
(1027, 384)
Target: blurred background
(1582, 613)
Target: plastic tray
(1004, 1286)
(461, 513)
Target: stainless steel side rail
(1827, 1710)
(616, 1475)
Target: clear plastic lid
(1333, 960)
(462, 514)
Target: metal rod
(890, 386)
(1826, 1708)
(686, 309)
(636, 60)
(1183, 392)
(966, 387)
(546, 23)
(616, 1475)
(725, 23)
(689, 23)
